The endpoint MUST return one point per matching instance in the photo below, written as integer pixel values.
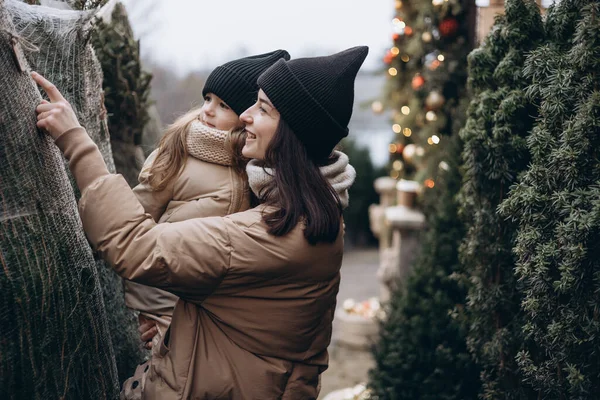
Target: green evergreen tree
(362, 194)
(427, 79)
(557, 207)
(126, 91)
(499, 119)
(422, 351)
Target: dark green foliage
(126, 91)
(362, 194)
(499, 119)
(556, 205)
(422, 352)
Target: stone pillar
(405, 222)
(386, 188)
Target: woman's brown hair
(172, 151)
(302, 193)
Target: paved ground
(348, 367)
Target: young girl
(258, 288)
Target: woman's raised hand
(57, 116)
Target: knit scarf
(340, 176)
(208, 144)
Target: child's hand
(55, 117)
(147, 330)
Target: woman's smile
(250, 135)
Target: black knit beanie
(315, 96)
(235, 81)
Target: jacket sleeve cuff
(85, 161)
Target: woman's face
(261, 122)
(215, 113)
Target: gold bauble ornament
(435, 100)
(408, 153)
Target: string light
(377, 106)
(405, 110)
(430, 116)
(393, 148)
(435, 139)
(420, 151)
(399, 23)
(398, 165)
(444, 165)
(429, 183)
(429, 141)
(398, 4)
(405, 58)
(395, 51)
(407, 132)
(393, 71)
(441, 57)
(396, 128)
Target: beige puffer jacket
(255, 317)
(208, 186)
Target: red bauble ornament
(395, 36)
(388, 58)
(417, 82)
(448, 27)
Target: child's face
(215, 113)
(261, 122)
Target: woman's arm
(188, 258)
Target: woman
(258, 287)
(173, 184)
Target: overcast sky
(195, 34)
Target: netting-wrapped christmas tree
(57, 339)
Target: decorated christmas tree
(427, 76)
(500, 118)
(557, 208)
